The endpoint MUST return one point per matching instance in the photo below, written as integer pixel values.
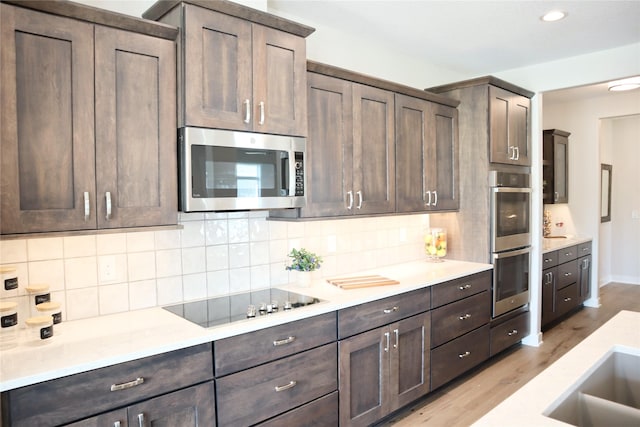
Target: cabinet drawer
(460, 288)
(567, 273)
(56, 402)
(363, 317)
(250, 396)
(319, 413)
(458, 356)
(460, 317)
(567, 299)
(508, 333)
(584, 249)
(247, 350)
(567, 254)
(550, 259)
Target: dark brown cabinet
(350, 149)
(555, 166)
(383, 369)
(584, 273)
(88, 123)
(426, 155)
(238, 74)
(509, 129)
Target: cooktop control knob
(287, 305)
(251, 311)
(263, 308)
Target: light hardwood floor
(468, 398)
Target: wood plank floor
(468, 398)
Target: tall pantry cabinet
(88, 119)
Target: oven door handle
(507, 254)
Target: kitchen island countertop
(83, 345)
(526, 407)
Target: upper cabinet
(88, 120)
(237, 74)
(426, 155)
(509, 130)
(555, 166)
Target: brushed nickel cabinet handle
(107, 196)
(465, 317)
(465, 287)
(359, 193)
(390, 310)
(396, 333)
(116, 424)
(428, 194)
(287, 340)
(286, 386)
(350, 195)
(465, 354)
(435, 198)
(130, 384)
(261, 121)
(247, 111)
(386, 336)
(567, 299)
(517, 149)
(87, 206)
(514, 332)
(141, 419)
(567, 274)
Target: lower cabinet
(383, 369)
(509, 332)
(192, 406)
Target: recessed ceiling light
(554, 15)
(625, 84)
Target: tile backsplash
(213, 254)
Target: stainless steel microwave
(221, 170)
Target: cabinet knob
(513, 332)
(465, 287)
(465, 317)
(465, 354)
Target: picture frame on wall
(605, 192)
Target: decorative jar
(435, 244)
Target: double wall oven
(510, 240)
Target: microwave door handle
(291, 173)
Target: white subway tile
(47, 272)
(120, 272)
(259, 253)
(258, 230)
(216, 232)
(45, 249)
(217, 257)
(194, 286)
(218, 283)
(115, 243)
(194, 260)
(113, 298)
(167, 239)
(141, 266)
(260, 277)
(277, 230)
(80, 272)
(169, 263)
(13, 251)
(82, 303)
(240, 279)
(238, 230)
(192, 234)
(142, 294)
(169, 290)
(141, 241)
(277, 274)
(237, 215)
(190, 216)
(278, 250)
(295, 230)
(79, 246)
(239, 255)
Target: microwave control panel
(299, 164)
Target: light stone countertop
(553, 244)
(526, 407)
(82, 345)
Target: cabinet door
(135, 129)
(217, 70)
(548, 295)
(279, 82)
(117, 418)
(47, 132)
(560, 169)
(373, 151)
(329, 146)
(442, 158)
(190, 407)
(585, 277)
(363, 377)
(410, 360)
(509, 140)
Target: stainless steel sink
(608, 394)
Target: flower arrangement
(303, 260)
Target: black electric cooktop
(249, 305)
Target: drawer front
(248, 350)
(363, 317)
(460, 288)
(508, 333)
(567, 273)
(254, 395)
(319, 413)
(567, 254)
(460, 317)
(567, 299)
(56, 402)
(458, 356)
(584, 249)
(550, 259)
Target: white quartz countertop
(553, 244)
(526, 407)
(82, 345)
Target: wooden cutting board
(362, 281)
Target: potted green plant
(303, 262)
